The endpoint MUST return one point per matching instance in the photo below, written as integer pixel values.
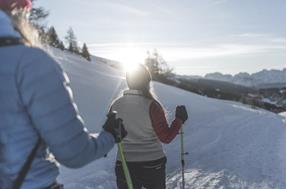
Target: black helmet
(139, 78)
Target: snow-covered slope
(283, 114)
(230, 145)
(258, 79)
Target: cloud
(189, 58)
(259, 37)
(177, 51)
(223, 50)
(218, 2)
(251, 35)
(125, 8)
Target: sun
(130, 56)
(130, 66)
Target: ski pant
(149, 174)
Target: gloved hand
(115, 127)
(181, 113)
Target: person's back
(17, 133)
(147, 127)
(36, 103)
(141, 143)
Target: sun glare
(130, 55)
(130, 66)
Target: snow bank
(230, 145)
(283, 114)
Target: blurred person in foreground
(38, 112)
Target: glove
(181, 113)
(115, 127)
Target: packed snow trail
(230, 145)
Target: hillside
(271, 97)
(230, 145)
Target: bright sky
(194, 36)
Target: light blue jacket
(35, 99)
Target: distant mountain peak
(261, 78)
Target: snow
(230, 145)
(267, 100)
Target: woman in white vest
(147, 128)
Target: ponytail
(22, 25)
(148, 94)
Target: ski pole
(124, 163)
(182, 154)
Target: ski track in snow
(230, 145)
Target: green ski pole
(124, 164)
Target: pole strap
(27, 166)
(8, 41)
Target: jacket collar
(6, 26)
(133, 92)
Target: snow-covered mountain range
(230, 145)
(264, 78)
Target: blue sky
(194, 36)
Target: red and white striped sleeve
(159, 122)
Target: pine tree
(61, 46)
(86, 53)
(70, 48)
(38, 15)
(52, 38)
(42, 34)
(72, 41)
